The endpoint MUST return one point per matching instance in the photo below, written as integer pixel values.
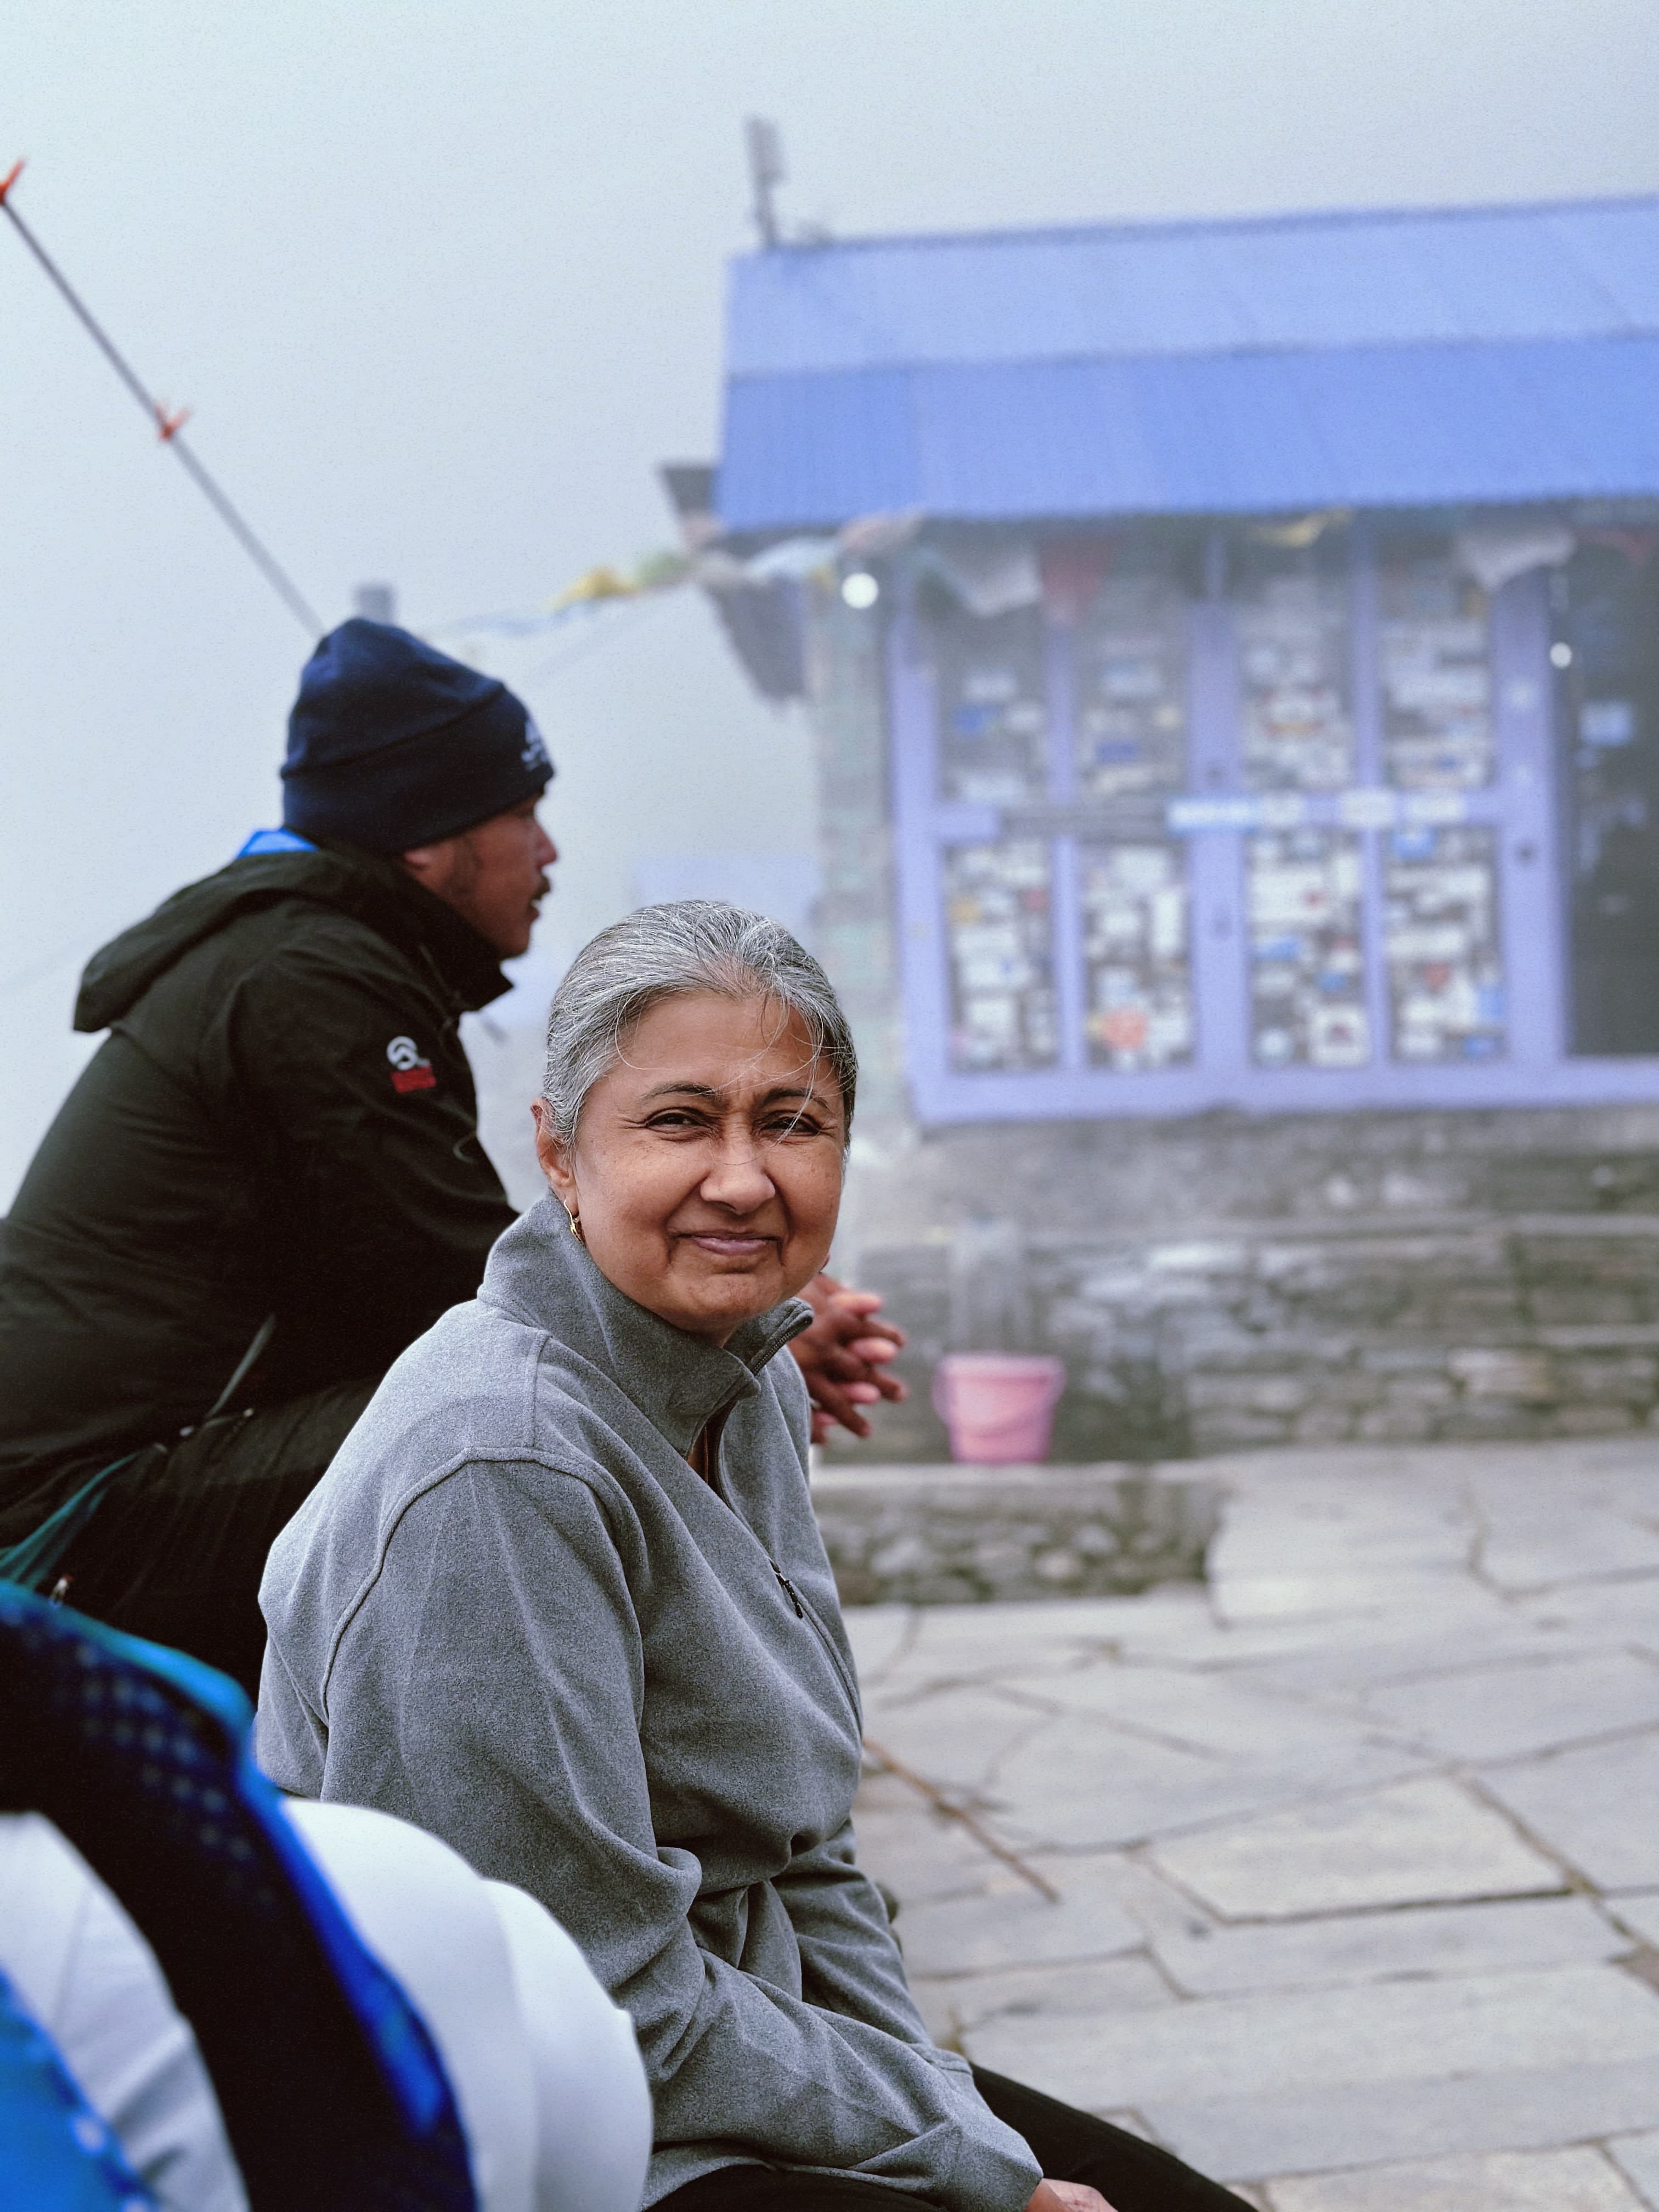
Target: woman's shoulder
(474, 1415)
(473, 1379)
(486, 1384)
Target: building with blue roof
(1234, 650)
(1483, 356)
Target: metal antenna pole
(766, 174)
(168, 426)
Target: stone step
(954, 1536)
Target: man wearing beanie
(268, 1181)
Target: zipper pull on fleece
(789, 1589)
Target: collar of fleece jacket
(541, 1274)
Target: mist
(443, 288)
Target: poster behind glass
(1131, 647)
(992, 708)
(999, 941)
(1307, 967)
(1138, 983)
(1434, 662)
(1291, 608)
(1440, 944)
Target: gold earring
(573, 1218)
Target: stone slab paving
(1421, 1842)
(1537, 2181)
(1357, 1850)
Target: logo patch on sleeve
(410, 1072)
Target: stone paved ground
(1357, 1851)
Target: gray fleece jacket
(513, 1613)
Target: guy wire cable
(168, 426)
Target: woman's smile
(727, 1244)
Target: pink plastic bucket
(997, 1406)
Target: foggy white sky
(443, 284)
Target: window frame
(1214, 815)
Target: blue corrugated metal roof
(1481, 355)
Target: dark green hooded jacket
(281, 1122)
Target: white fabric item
(991, 574)
(593, 2108)
(796, 558)
(868, 536)
(83, 1970)
(545, 2067)
(545, 2071)
(1495, 554)
(431, 1922)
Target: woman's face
(706, 1167)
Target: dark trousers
(1131, 2175)
(176, 1555)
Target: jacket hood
(540, 1273)
(374, 892)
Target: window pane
(1307, 979)
(1445, 974)
(993, 709)
(1607, 716)
(1132, 688)
(1293, 608)
(1436, 679)
(1001, 950)
(1134, 950)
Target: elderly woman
(561, 1600)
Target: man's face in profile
(494, 875)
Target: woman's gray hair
(662, 952)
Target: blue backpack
(333, 2096)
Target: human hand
(1067, 2197)
(844, 1356)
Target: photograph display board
(1435, 659)
(1292, 612)
(993, 710)
(1307, 974)
(1001, 955)
(1342, 812)
(1445, 961)
(1131, 649)
(1135, 927)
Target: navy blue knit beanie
(391, 744)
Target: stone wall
(1402, 1276)
(957, 1535)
